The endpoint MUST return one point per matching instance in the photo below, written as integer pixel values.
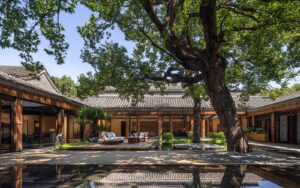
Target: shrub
(216, 135)
(181, 141)
(167, 136)
(189, 134)
(260, 131)
(248, 130)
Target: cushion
(109, 135)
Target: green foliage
(260, 131)
(102, 128)
(181, 141)
(274, 93)
(66, 85)
(216, 135)
(260, 43)
(167, 136)
(189, 134)
(67, 146)
(248, 130)
(90, 115)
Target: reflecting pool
(149, 176)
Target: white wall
(283, 129)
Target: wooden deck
(122, 146)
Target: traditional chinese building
(167, 112)
(33, 110)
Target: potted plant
(259, 134)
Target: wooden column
(18, 123)
(203, 126)
(41, 120)
(127, 125)
(273, 127)
(171, 123)
(160, 125)
(138, 124)
(253, 121)
(60, 121)
(17, 176)
(68, 129)
(192, 122)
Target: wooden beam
(18, 124)
(30, 96)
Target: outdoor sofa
(110, 138)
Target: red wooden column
(203, 126)
(273, 127)
(18, 123)
(192, 122)
(127, 125)
(253, 121)
(41, 120)
(60, 118)
(171, 123)
(138, 124)
(17, 176)
(160, 125)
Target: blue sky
(73, 65)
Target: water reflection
(148, 176)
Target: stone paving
(180, 157)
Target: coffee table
(133, 140)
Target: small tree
(198, 94)
(90, 116)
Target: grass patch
(67, 146)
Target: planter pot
(258, 137)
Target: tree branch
(152, 15)
(157, 46)
(170, 77)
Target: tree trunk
(224, 106)
(81, 133)
(197, 120)
(233, 176)
(196, 178)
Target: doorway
(123, 128)
(6, 125)
(292, 129)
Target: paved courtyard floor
(180, 157)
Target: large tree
(66, 85)
(225, 43)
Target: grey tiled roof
(43, 80)
(16, 71)
(292, 96)
(163, 102)
(13, 81)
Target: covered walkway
(277, 146)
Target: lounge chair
(110, 138)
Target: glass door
(5, 125)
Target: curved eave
(18, 84)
